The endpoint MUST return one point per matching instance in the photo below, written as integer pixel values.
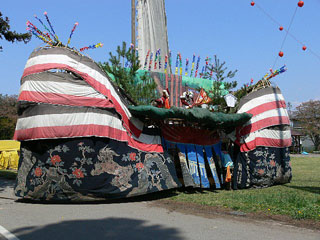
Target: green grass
(299, 199)
(9, 174)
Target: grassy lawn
(8, 174)
(299, 199)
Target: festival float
(82, 138)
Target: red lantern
(280, 54)
(304, 48)
(280, 28)
(252, 3)
(300, 3)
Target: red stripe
(264, 123)
(177, 86)
(167, 81)
(266, 107)
(63, 99)
(171, 89)
(94, 83)
(181, 92)
(190, 135)
(84, 131)
(267, 142)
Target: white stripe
(8, 235)
(69, 119)
(63, 59)
(267, 133)
(148, 139)
(279, 112)
(61, 88)
(259, 101)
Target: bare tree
(308, 115)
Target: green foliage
(220, 76)
(11, 36)
(124, 78)
(298, 199)
(8, 116)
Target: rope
(287, 32)
(285, 37)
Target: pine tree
(11, 36)
(123, 67)
(220, 75)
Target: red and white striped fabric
(268, 108)
(61, 58)
(77, 102)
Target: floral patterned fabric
(262, 167)
(89, 169)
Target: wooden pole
(133, 22)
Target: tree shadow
(107, 228)
(315, 190)
(6, 183)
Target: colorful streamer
(180, 64)
(211, 72)
(45, 27)
(192, 66)
(170, 63)
(91, 47)
(187, 65)
(159, 58)
(275, 73)
(55, 35)
(177, 63)
(146, 60)
(72, 31)
(197, 67)
(155, 59)
(165, 63)
(150, 62)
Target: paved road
(132, 220)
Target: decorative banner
(44, 26)
(193, 163)
(150, 61)
(275, 73)
(251, 82)
(177, 63)
(186, 175)
(197, 67)
(202, 98)
(146, 60)
(170, 60)
(91, 47)
(211, 72)
(55, 35)
(202, 167)
(180, 64)
(186, 70)
(202, 72)
(212, 165)
(165, 63)
(159, 58)
(155, 59)
(72, 31)
(192, 66)
(207, 62)
(38, 36)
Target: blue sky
(236, 32)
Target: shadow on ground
(305, 188)
(6, 183)
(107, 228)
(143, 198)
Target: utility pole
(133, 22)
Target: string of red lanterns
(300, 4)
